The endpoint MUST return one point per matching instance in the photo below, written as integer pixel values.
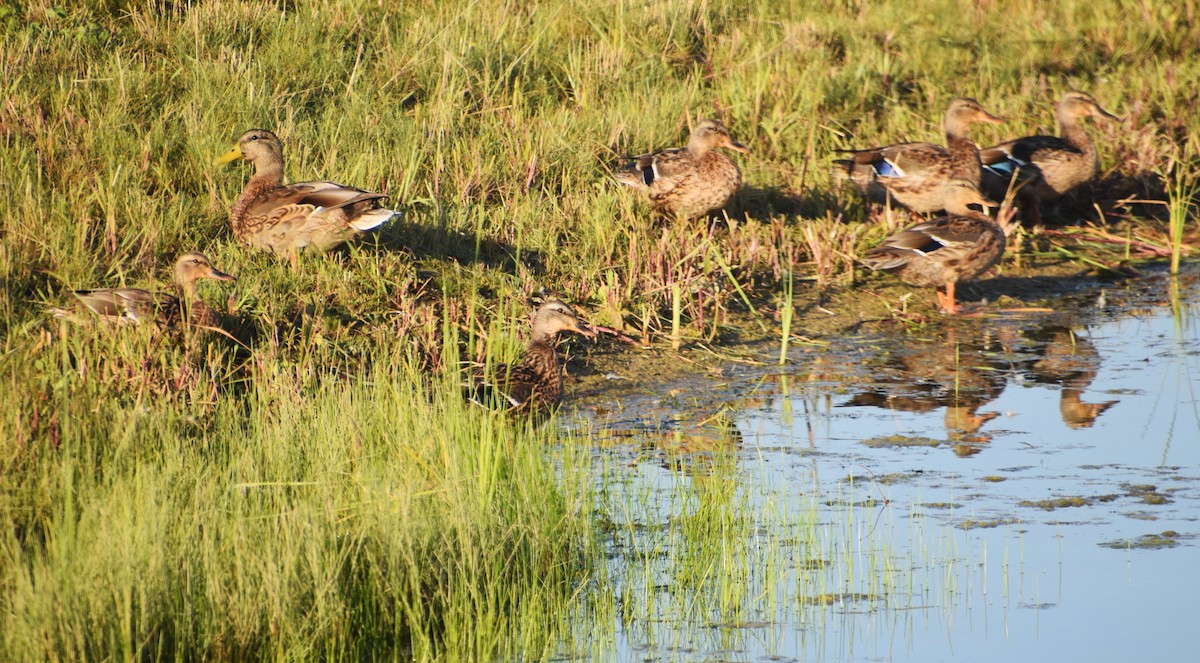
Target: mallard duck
(284, 218)
(689, 182)
(137, 306)
(1046, 167)
(947, 250)
(535, 385)
(913, 174)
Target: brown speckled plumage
(535, 385)
(913, 174)
(689, 182)
(283, 218)
(137, 306)
(944, 251)
(1046, 167)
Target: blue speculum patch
(1002, 168)
(885, 169)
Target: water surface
(1017, 486)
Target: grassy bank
(314, 487)
(346, 520)
(495, 126)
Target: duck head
(960, 194)
(193, 266)
(258, 146)
(709, 134)
(1075, 105)
(555, 317)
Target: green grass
(317, 489)
(495, 126)
(355, 518)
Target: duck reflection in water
(970, 367)
(960, 375)
(1069, 359)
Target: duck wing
(324, 195)
(657, 169)
(297, 215)
(1025, 153)
(903, 159)
(925, 239)
(132, 305)
(510, 387)
(954, 230)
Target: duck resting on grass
(944, 251)
(535, 385)
(285, 218)
(914, 174)
(123, 306)
(689, 182)
(1044, 168)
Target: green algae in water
(981, 524)
(1147, 492)
(839, 597)
(940, 505)
(896, 477)
(740, 625)
(1055, 503)
(1167, 539)
(900, 441)
(1141, 515)
(812, 564)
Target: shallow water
(881, 498)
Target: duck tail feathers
(373, 218)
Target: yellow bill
(234, 153)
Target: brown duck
(1043, 168)
(137, 306)
(689, 182)
(944, 251)
(914, 174)
(535, 385)
(285, 218)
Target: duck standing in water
(915, 174)
(944, 251)
(689, 182)
(137, 306)
(1044, 168)
(285, 218)
(535, 385)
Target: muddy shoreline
(601, 377)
